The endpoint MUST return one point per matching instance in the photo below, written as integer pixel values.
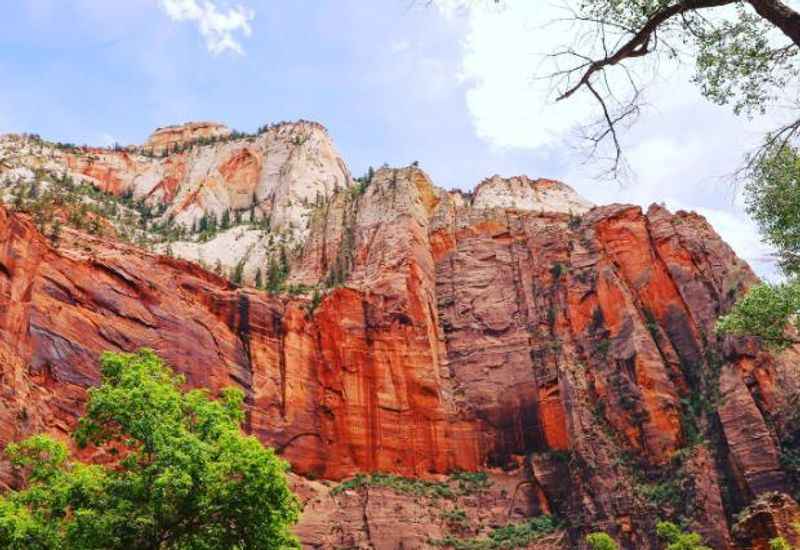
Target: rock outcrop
(179, 135)
(216, 191)
(522, 193)
(568, 350)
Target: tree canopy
(773, 200)
(182, 475)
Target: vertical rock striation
(521, 329)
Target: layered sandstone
(522, 193)
(570, 346)
(272, 179)
(172, 137)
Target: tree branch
(780, 15)
(638, 45)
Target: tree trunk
(780, 15)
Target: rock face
(524, 194)
(169, 137)
(568, 350)
(272, 179)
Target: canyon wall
(568, 350)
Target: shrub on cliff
(779, 543)
(180, 473)
(677, 539)
(601, 541)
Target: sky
(460, 90)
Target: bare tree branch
(639, 45)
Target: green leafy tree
(765, 312)
(772, 195)
(773, 200)
(745, 53)
(238, 273)
(183, 475)
(278, 271)
(601, 541)
(677, 539)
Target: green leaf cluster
(773, 200)
(765, 312)
(740, 58)
(181, 474)
(601, 541)
(677, 539)
(513, 535)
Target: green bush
(677, 539)
(471, 482)
(400, 484)
(513, 535)
(779, 543)
(601, 541)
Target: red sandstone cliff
(571, 353)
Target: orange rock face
(568, 351)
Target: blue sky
(393, 80)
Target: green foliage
(455, 518)
(298, 289)
(772, 195)
(677, 539)
(513, 535)
(278, 271)
(601, 541)
(405, 485)
(343, 263)
(779, 543)
(459, 483)
(238, 273)
(739, 62)
(765, 312)
(664, 493)
(603, 347)
(316, 300)
(557, 271)
(225, 222)
(183, 475)
(362, 184)
(470, 483)
(738, 59)
(53, 200)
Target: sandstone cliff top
(170, 136)
(524, 193)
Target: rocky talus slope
(446, 369)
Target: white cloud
(504, 51)
(218, 27)
(400, 46)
